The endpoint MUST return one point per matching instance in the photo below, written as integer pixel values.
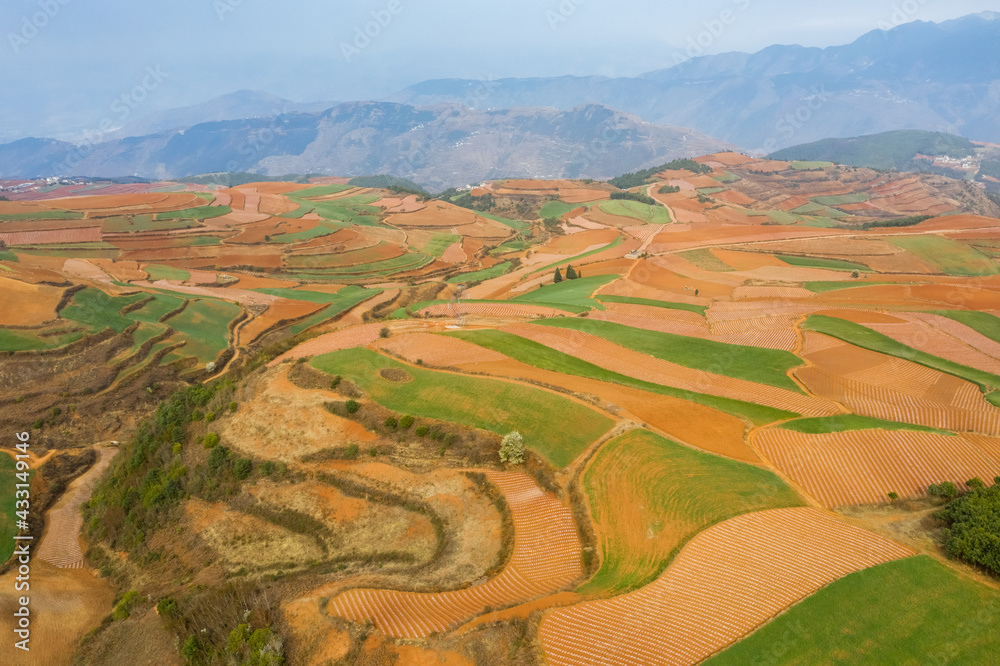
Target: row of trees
(571, 274)
(973, 523)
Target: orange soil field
(863, 467)
(927, 338)
(771, 338)
(865, 317)
(546, 558)
(959, 331)
(454, 254)
(580, 242)
(358, 336)
(23, 304)
(435, 214)
(254, 233)
(725, 583)
(734, 197)
(153, 202)
(610, 356)
(123, 271)
(630, 287)
(746, 261)
(752, 293)
(654, 273)
(44, 225)
(890, 388)
(609, 267)
(380, 252)
(78, 235)
(281, 311)
(222, 199)
(728, 159)
(437, 350)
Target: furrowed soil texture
(546, 558)
(932, 608)
(501, 407)
(648, 495)
(725, 583)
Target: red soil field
(784, 339)
(734, 197)
(890, 388)
(729, 159)
(581, 242)
(437, 350)
(358, 336)
(863, 467)
(546, 558)
(79, 235)
(925, 337)
(654, 273)
(276, 188)
(99, 206)
(612, 357)
(725, 583)
(435, 214)
(123, 271)
(23, 304)
(281, 311)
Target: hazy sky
(64, 62)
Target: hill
(887, 150)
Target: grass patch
(577, 293)
(911, 611)
(516, 225)
(497, 406)
(98, 311)
(637, 210)
(820, 210)
(670, 493)
(819, 262)
(824, 287)
(556, 209)
(754, 364)
(628, 300)
(538, 355)
(44, 215)
(205, 326)
(864, 337)
(842, 199)
(438, 243)
(384, 268)
(6, 255)
(140, 223)
(199, 213)
(480, 276)
(804, 165)
(8, 524)
(345, 299)
(319, 191)
(29, 341)
(848, 422)
(160, 306)
(705, 259)
(159, 272)
(948, 256)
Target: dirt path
(60, 544)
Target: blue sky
(65, 61)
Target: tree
(947, 490)
(352, 406)
(559, 277)
(855, 274)
(211, 440)
(893, 496)
(512, 449)
(570, 272)
(385, 332)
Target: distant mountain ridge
(439, 147)
(887, 150)
(930, 76)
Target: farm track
(725, 583)
(546, 558)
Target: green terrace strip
(819, 262)
(199, 213)
(866, 338)
(817, 209)
(545, 358)
(948, 256)
(489, 404)
(8, 256)
(44, 215)
(754, 364)
(847, 422)
(11, 341)
(842, 199)
(671, 493)
(811, 166)
(438, 243)
(706, 260)
(912, 611)
(417, 307)
(98, 311)
(570, 293)
(319, 191)
(407, 262)
(159, 307)
(823, 287)
(480, 276)
(628, 300)
(158, 272)
(981, 322)
(516, 225)
(110, 252)
(350, 210)
(610, 246)
(205, 326)
(324, 228)
(511, 246)
(8, 498)
(711, 190)
(139, 223)
(556, 209)
(637, 210)
(345, 299)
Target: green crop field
(628, 300)
(823, 287)
(319, 191)
(8, 256)
(819, 262)
(199, 213)
(161, 305)
(912, 611)
(546, 358)
(711, 190)
(479, 276)
(859, 335)
(842, 199)
(141, 223)
(345, 299)
(637, 210)
(400, 264)
(848, 422)
(44, 215)
(764, 366)
(555, 209)
(511, 246)
(573, 293)
(438, 243)
(8, 497)
(563, 262)
(649, 496)
(981, 322)
(948, 256)
(706, 260)
(498, 406)
(98, 311)
(818, 209)
(323, 228)
(11, 341)
(204, 324)
(158, 272)
(726, 177)
(516, 225)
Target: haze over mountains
(452, 132)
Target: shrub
(973, 523)
(37, 425)
(211, 440)
(422, 431)
(385, 332)
(391, 423)
(192, 649)
(352, 406)
(243, 468)
(267, 468)
(336, 382)
(168, 608)
(373, 452)
(219, 458)
(512, 449)
(209, 417)
(893, 496)
(233, 406)
(352, 452)
(178, 448)
(975, 484)
(197, 415)
(56, 412)
(124, 607)
(405, 422)
(947, 490)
